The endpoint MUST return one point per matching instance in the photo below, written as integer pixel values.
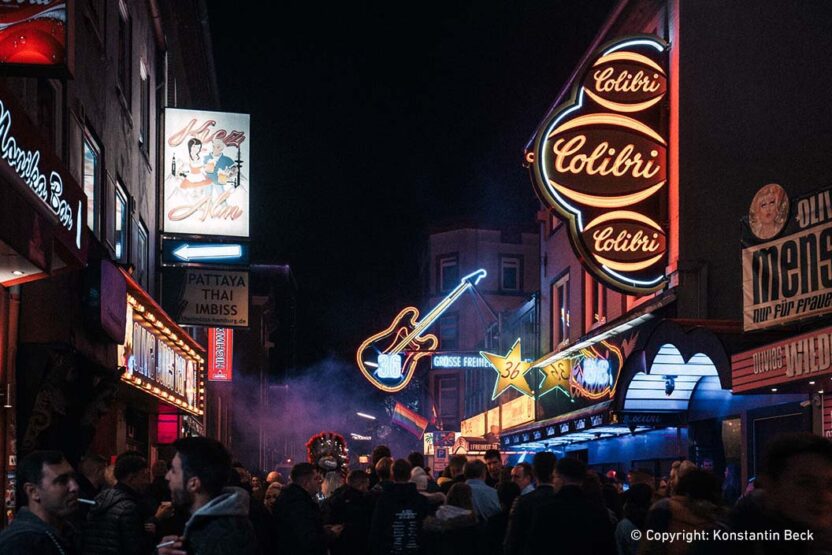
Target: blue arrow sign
(176, 252)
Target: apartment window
(560, 311)
(124, 50)
(46, 106)
(511, 273)
(449, 332)
(596, 302)
(448, 272)
(446, 393)
(92, 180)
(140, 255)
(120, 221)
(144, 129)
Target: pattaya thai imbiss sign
(600, 160)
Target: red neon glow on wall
(220, 354)
(167, 428)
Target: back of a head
(571, 470)
(379, 452)
(783, 447)
(129, 464)
(207, 459)
(401, 471)
(416, 459)
(457, 462)
(301, 471)
(30, 468)
(91, 464)
(460, 495)
(543, 464)
(384, 469)
(699, 485)
(492, 454)
(507, 492)
(357, 479)
(474, 470)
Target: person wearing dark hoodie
(297, 518)
(218, 522)
(351, 507)
(50, 498)
(115, 524)
(398, 516)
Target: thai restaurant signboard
(805, 356)
(211, 298)
(207, 169)
(220, 354)
(601, 161)
(786, 278)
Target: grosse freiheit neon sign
(600, 160)
(389, 358)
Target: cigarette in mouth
(86, 501)
(165, 544)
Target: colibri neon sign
(600, 160)
(389, 358)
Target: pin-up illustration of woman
(195, 180)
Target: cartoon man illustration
(219, 168)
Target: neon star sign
(511, 371)
(389, 358)
(591, 374)
(600, 160)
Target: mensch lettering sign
(214, 298)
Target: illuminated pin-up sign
(207, 168)
(220, 354)
(600, 160)
(590, 374)
(389, 358)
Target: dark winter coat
(520, 518)
(298, 523)
(115, 524)
(581, 525)
(354, 509)
(396, 528)
(221, 526)
(28, 534)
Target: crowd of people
(201, 504)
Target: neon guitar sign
(389, 358)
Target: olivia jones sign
(220, 354)
(600, 160)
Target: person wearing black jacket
(525, 506)
(350, 506)
(115, 525)
(298, 523)
(51, 496)
(580, 522)
(398, 516)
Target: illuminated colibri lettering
(600, 160)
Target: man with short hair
(383, 474)
(494, 463)
(50, 496)
(455, 466)
(351, 508)
(379, 452)
(586, 520)
(519, 520)
(484, 497)
(397, 519)
(218, 523)
(115, 525)
(419, 476)
(298, 522)
(521, 475)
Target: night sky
(372, 124)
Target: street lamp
(365, 415)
